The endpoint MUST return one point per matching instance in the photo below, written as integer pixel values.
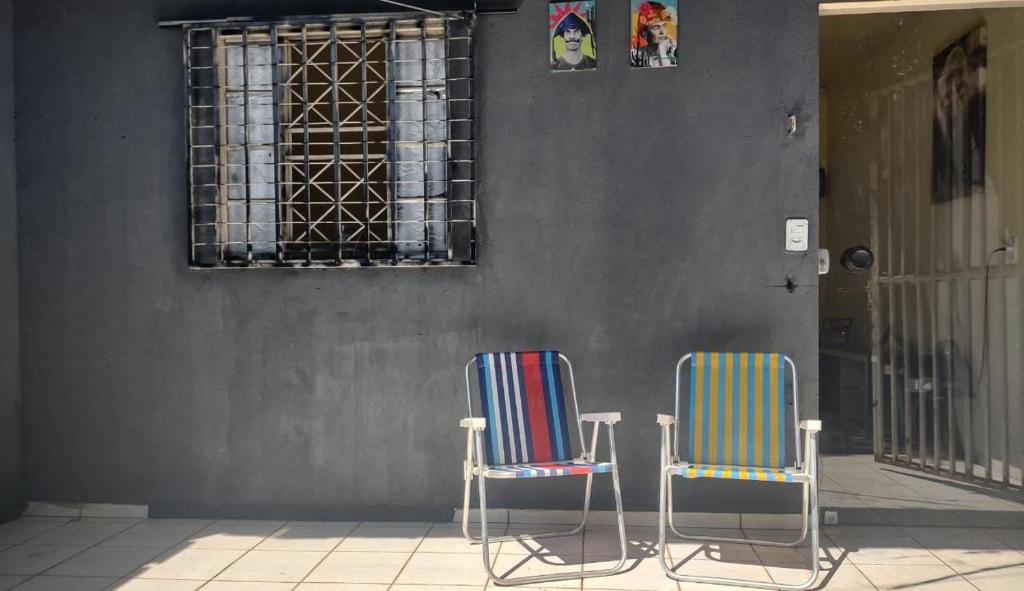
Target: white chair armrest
(607, 418)
(811, 426)
(666, 420)
(476, 424)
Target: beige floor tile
(188, 563)
(732, 570)
(646, 575)
(435, 588)
(994, 579)
(247, 586)
(423, 525)
(845, 577)
(966, 546)
(980, 558)
(837, 532)
(769, 555)
(681, 549)
(46, 583)
(83, 532)
(105, 562)
(517, 566)
(772, 555)
(322, 538)
(567, 548)
(272, 566)
(342, 587)
(32, 560)
(155, 585)
(156, 533)
(233, 535)
(383, 539)
(9, 581)
(914, 577)
(26, 528)
(443, 569)
(448, 539)
(883, 551)
(603, 542)
(359, 567)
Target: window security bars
(331, 142)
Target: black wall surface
(10, 448)
(626, 217)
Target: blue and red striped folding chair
(523, 430)
(737, 429)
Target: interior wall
(626, 217)
(877, 77)
(10, 447)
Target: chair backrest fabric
(738, 409)
(522, 398)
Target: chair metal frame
(475, 466)
(805, 474)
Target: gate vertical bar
(245, 147)
(894, 424)
(900, 158)
(305, 150)
(426, 147)
(936, 408)
(364, 98)
(336, 141)
(877, 363)
(922, 393)
(392, 151)
(275, 88)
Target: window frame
(458, 198)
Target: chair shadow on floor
(571, 551)
(830, 561)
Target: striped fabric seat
(522, 398)
(571, 468)
(737, 473)
(737, 411)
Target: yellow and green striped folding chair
(737, 429)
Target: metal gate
(946, 293)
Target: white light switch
(797, 232)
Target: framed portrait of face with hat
(571, 33)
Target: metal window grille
(331, 141)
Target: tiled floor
(899, 530)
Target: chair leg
(499, 580)
(513, 538)
(754, 542)
(810, 513)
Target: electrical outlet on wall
(1010, 256)
(831, 517)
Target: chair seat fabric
(737, 473)
(544, 469)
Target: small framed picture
(654, 34)
(571, 34)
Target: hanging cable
(984, 330)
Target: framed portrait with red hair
(654, 33)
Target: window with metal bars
(336, 141)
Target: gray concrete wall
(10, 447)
(626, 217)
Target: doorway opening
(922, 212)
